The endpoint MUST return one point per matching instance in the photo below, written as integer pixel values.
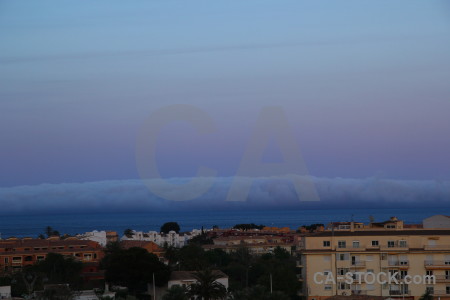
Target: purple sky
(364, 84)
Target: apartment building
(259, 244)
(171, 239)
(385, 259)
(17, 253)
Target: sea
(33, 225)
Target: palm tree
(207, 287)
(176, 292)
(427, 295)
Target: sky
(363, 84)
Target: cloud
(266, 193)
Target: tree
(134, 268)
(51, 232)
(201, 239)
(128, 233)
(170, 226)
(207, 287)
(246, 227)
(192, 257)
(58, 269)
(427, 295)
(176, 292)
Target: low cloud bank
(265, 193)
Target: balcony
(440, 293)
(442, 278)
(395, 247)
(358, 264)
(399, 293)
(399, 264)
(436, 247)
(437, 264)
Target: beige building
(382, 259)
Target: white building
(96, 236)
(186, 278)
(172, 238)
(5, 292)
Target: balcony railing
(437, 247)
(358, 263)
(440, 292)
(395, 246)
(437, 263)
(442, 278)
(399, 292)
(398, 263)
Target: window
(326, 243)
(343, 256)
(447, 274)
(342, 244)
(447, 260)
(343, 286)
(328, 287)
(403, 274)
(390, 226)
(391, 244)
(6, 260)
(17, 259)
(447, 289)
(369, 257)
(87, 256)
(392, 272)
(402, 244)
(326, 258)
(344, 227)
(430, 290)
(370, 287)
(375, 243)
(355, 244)
(342, 271)
(383, 256)
(429, 273)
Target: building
(186, 278)
(380, 259)
(435, 222)
(5, 292)
(149, 246)
(258, 244)
(17, 253)
(171, 239)
(101, 237)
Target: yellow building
(383, 259)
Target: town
(249, 261)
